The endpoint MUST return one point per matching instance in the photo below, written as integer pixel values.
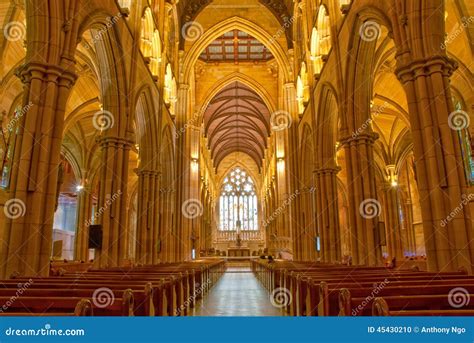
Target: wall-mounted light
(79, 188)
(280, 164)
(194, 163)
(392, 176)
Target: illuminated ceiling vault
(237, 119)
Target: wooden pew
(140, 290)
(360, 301)
(416, 305)
(316, 288)
(60, 306)
(326, 301)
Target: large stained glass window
(238, 202)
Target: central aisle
(237, 293)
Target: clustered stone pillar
(293, 226)
(327, 214)
(27, 236)
(392, 222)
(167, 229)
(304, 242)
(112, 204)
(148, 237)
(441, 180)
(409, 227)
(364, 208)
(84, 220)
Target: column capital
(43, 71)
(183, 86)
(327, 170)
(357, 139)
(109, 141)
(425, 67)
(145, 171)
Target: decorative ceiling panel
(236, 46)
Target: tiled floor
(237, 293)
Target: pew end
(84, 308)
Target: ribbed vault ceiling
(237, 119)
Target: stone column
(147, 216)
(392, 222)
(305, 242)
(411, 237)
(27, 235)
(441, 180)
(328, 214)
(364, 207)
(188, 186)
(293, 224)
(167, 230)
(84, 220)
(112, 203)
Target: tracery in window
(238, 202)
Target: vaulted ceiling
(281, 9)
(237, 119)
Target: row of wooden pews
(157, 290)
(318, 289)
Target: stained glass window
(238, 202)
(466, 148)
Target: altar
(238, 252)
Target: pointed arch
(236, 23)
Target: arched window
(170, 89)
(156, 53)
(125, 4)
(150, 44)
(9, 124)
(238, 202)
(320, 40)
(459, 121)
(302, 89)
(147, 33)
(324, 31)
